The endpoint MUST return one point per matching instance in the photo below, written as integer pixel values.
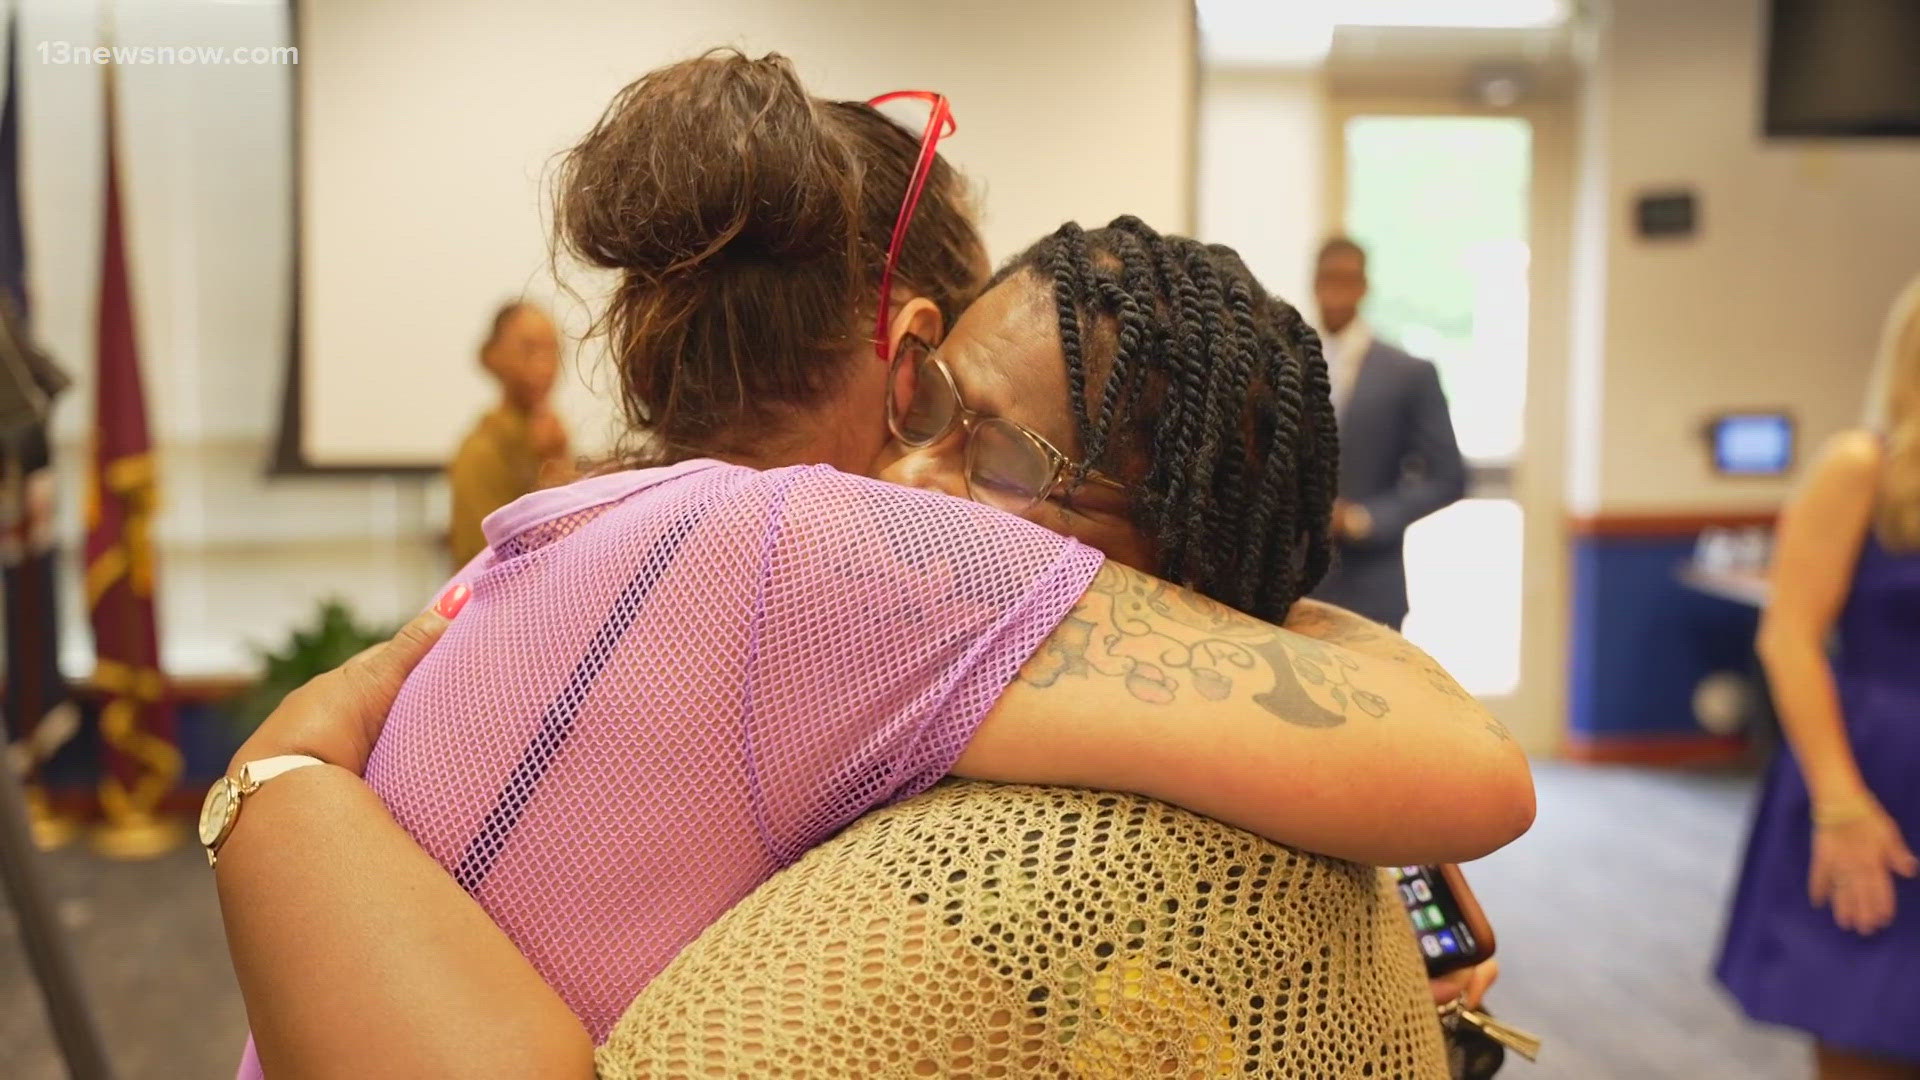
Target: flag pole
(141, 762)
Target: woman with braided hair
(1204, 398)
(675, 679)
(986, 930)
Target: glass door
(1445, 203)
(1440, 204)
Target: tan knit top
(988, 931)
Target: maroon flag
(136, 723)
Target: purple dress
(1783, 958)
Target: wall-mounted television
(1841, 68)
(1751, 443)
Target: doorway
(1458, 210)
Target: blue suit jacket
(1398, 458)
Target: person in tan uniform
(520, 445)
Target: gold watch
(222, 806)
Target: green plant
(331, 639)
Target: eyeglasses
(939, 125)
(1008, 465)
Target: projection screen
(426, 132)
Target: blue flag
(40, 713)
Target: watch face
(217, 812)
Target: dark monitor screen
(1843, 67)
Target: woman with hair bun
(673, 680)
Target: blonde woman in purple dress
(1825, 930)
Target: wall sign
(1666, 214)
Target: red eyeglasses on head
(939, 125)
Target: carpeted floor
(150, 948)
(1608, 913)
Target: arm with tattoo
(1163, 642)
(1338, 626)
(1330, 734)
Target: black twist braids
(1135, 281)
(1065, 261)
(1319, 487)
(1226, 391)
(1207, 397)
(1173, 451)
(1316, 487)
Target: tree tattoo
(1323, 622)
(1162, 641)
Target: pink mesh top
(670, 683)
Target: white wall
(429, 126)
(1777, 301)
(206, 175)
(1587, 290)
(1262, 173)
(205, 178)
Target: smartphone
(1447, 921)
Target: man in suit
(1398, 458)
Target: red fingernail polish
(453, 600)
